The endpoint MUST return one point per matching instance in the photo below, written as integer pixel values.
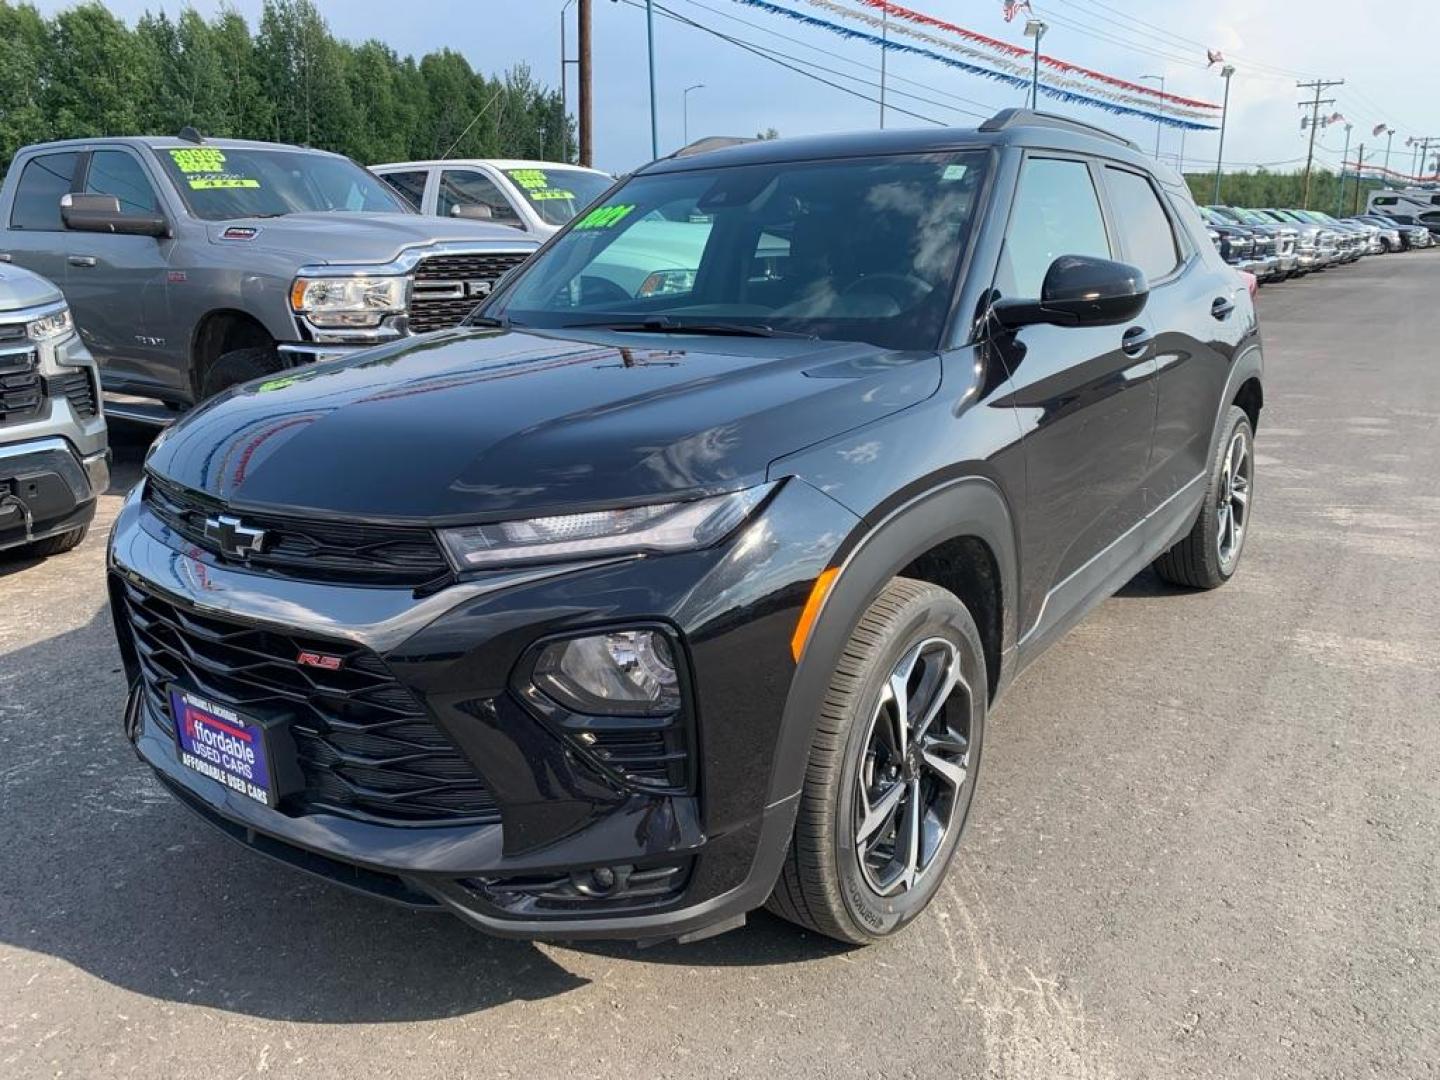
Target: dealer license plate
(220, 743)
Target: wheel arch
(1244, 386)
(221, 331)
(964, 519)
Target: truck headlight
(620, 672)
(347, 302)
(657, 528)
(55, 325)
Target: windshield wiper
(662, 324)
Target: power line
(774, 58)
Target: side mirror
(102, 214)
(473, 211)
(1080, 290)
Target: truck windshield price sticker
(204, 170)
(605, 217)
(536, 183)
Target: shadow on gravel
(106, 872)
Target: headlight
(55, 325)
(347, 301)
(662, 527)
(628, 672)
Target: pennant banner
(898, 12)
(1004, 63)
(1018, 81)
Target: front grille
(363, 742)
(447, 288)
(317, 550)
(20, 389)
(78, 388)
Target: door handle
(1136, 342)
(1222, 307)
(80, 260)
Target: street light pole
(564, 89)
(685, 98)
(650, 42)
(1344, 160)
(1035, 28)
(1225, 73)
(1159, 123)
(1389, 138)
(884, 48)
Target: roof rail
(710, 142)
(1008, 118)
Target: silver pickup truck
(192, 264)
(53, 458)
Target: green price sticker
(530, 179)
(605, 217)
(199, 160)
(551, 193)
(210, 183)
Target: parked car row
(1274, 243)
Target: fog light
(624, 672)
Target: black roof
(1010, 127)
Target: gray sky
(1375, 47)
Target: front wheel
(237, 366)
(1210, 554)
(892, 768)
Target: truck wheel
(237, 366)
(54, 545)
(1210, 554)
(892, 769)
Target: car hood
(471, 424)
(326, 238)
(22, 289)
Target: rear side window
(1056, 213)
(1145, 230)
(37, 196)
(114, 172)
(410, 186)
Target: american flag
(1014, 7)
(1215, 56)
(1379, 130)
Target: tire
(826, 884)
(54, 545)
(1202, 560)
(237, 366)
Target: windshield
(848, 250)
(223, 183)
(557, 195)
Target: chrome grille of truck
(448, 287)
(21, 391)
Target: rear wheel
(1210, 554)
(237, 366)
(892, 768)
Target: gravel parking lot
(1206, 841)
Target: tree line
(1263, 188)
(83, 73)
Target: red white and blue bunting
(999, 61)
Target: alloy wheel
(1232, 513)
(917, 761)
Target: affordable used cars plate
(219, 743)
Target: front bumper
(561, 811)
(46, 489)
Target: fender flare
(967, 506)
(1250, 364)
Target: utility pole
(1344, 161)
(1389, 138)
(1225, 73)
(1319, 86)
(587, 130)
(1359, 164)
(1158, 122)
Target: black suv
(683, 578)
